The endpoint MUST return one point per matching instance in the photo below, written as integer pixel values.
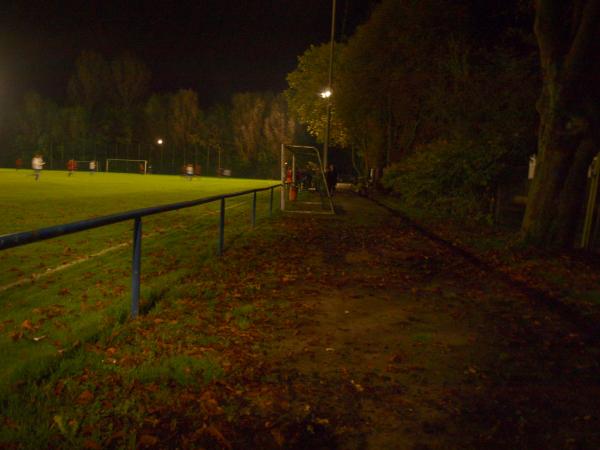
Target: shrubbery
(452, 177)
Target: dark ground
(387, 339)
(352, 331)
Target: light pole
(159, 142)
(327, 93)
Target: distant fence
(27, 237)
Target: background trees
(440, 93)
(109, 113)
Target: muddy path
(390, 340)
(353, 331)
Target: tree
(306, 83)
(568, 36)
(247, 118)
(184, 121)
(156, 119)
(217, 135)
(388, 69)
(130, 81)
(91, 81)
(279, 128)
(32, 122)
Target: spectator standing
(331, 178)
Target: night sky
(216, 47)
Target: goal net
(127, 165)
(305, 187)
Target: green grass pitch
(58, 293)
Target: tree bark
(568, 119)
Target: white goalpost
(140, 162)
(304, 182)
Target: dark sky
(216, 47)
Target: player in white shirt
(37, 164)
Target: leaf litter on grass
(416, 357)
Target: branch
(585, 38)
(549, 21)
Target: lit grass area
(57, 198)
(51, 315)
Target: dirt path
(389, 341)
(352, 331)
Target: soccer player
(37, 164)
(71, 166)
(189, 171)
(92, 167)
(18, 163)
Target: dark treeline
(110, 113)
(441, 94)
(446, 99)
(451, 97)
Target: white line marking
(79, 260)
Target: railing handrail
(27, 237)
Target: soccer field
(63, 291)
(57, 198)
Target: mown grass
(47, 321)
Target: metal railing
(27, 237)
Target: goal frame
(145, 161)
(294, 149)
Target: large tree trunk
(568, 119)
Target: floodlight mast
(328, 91)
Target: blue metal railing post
(136, 267)
(222, 227)
(254, 209)
(271, 204)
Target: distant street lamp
(160, 142)
(327, 93)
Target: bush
(455, 177)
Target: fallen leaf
(27, 325)
(88, 443)
(217, 435)
(278, 436)
(85, 397)
(147, 439)
(16, 335)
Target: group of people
(72, 166)
(191, 170)
(305, 178)
(37, 164)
